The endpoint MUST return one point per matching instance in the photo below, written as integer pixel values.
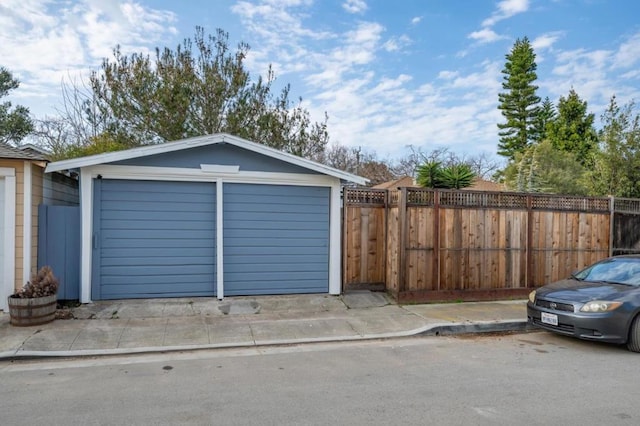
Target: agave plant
(457, 176)
(428, 174)
(432, 175)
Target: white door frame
(8, 278)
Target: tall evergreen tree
(572, 130)
(546, 114)
(518, 102)
(616, 166)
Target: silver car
(601, 302)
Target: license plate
(550, 319)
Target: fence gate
(59, 246)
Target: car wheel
(634, 335)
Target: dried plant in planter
(42, 284)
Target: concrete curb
(441, 329)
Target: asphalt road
(522, 379)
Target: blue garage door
(153, 239)
(276, 239)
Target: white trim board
(199, 175)
(26, 222)
(7, 281)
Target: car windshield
(620, 270)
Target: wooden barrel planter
(34, 311)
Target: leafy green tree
(518, 102)
(200, 87)
(572, 129)
(616, 165)
(545, 169)
(432, 174)
(546, 114)
(15, 123)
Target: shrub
(42, 284)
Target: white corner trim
(26, 222)
(219, 240)
(86, 234)
(218, 168)
(7, 280)
(335, 278)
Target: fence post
(528, 248)
(612, 214)
(402, 240)
(436, 238)
(385, 248)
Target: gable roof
(480, 184)
(199, 141)
(396, 183)
(7, 151)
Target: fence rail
(430, 245)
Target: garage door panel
(132, 216)
(155, 280)
(279, 234)
(268, 217)
(158, 242)
(178, 251)
(159, 290)
(152, 269)
(301, 243)
(160, 206)
(199, 225)
(249, 224)
(280, 262)
(261, 244)
(123, 235)
(270, 207)
(178, 260)
(147, 196)
(276, 287)
(230, 251)
(155, 238)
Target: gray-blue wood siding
(276, 239)
(153, 239)
(222, 154)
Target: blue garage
(209, 216)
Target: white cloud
(354, 6)
(546, 41)
(506, 9)
(44, 41)
(395, 44)
(416, 20)
(628, 53)
(485, 35)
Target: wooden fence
(436, 245)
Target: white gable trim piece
(7, 281)
(217, 138)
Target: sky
(389, 74)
